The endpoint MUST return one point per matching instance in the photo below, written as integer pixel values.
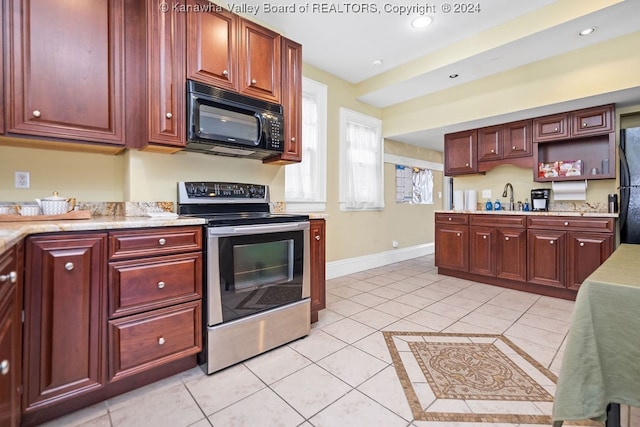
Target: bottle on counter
(497, 205)
(526, 205)
(488, 206)
(519, 205)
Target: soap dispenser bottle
(488, 206)
(497, 205)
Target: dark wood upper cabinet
(212, 47)
(460, 152)
(592, 121)
(550, 128)
(66, 70)
(490, 143)
(166, 75)
(260, 62)
(518, 139)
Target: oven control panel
(225, 190)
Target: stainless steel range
(256, 270)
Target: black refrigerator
(630, 185)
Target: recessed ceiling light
(453, 75)
(376, 62)
(587, 31)
(421, 21)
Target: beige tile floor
(342, 373)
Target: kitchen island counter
(536, 213)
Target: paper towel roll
(574, 190)
(458, 200)
(471, 200)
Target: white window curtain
(305, 182)
(361, 180)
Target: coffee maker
(540, 199)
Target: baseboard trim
(354, 265)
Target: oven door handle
(255, 229)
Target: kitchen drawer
(147, 340)
(150, 283)
(447, 218)
(154, 241)
(604, 225)
(497, 220)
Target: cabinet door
(212, 45)
(585, 253)
(259, 62)
(460, 153)
(452, 244)
(550, 128)
(66, 70)
(482, 256)
(291, 103)
(592, 121)
(65, 319)
(318, 282)
(490, 143)
(546, 253)
(166, 88)
(518, 139)
(511, 249)
(9, 366)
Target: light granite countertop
(12, 232)
(536, 213)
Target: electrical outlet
(394, 243)
(486, 194)
(22, 179)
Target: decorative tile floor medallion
(471, 378)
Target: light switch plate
(486, 194)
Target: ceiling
(344, 39)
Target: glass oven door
(256, 268)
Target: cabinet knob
(449, 218)
(555, 130)
(466, 164)
(493, 151)
(4, 367)
(506, 238)
(551, 242)
(169, 115)
(484, 237)
(162, 242)
(318, 238)
(584, 125)
(293, 139)
(161, 340)
(253, 81)
(458, 234)
(225, 72)
(12, 277)
(581, 244)
(513, 148)
(69, 266)
(36, 113)
(566, 223)
(161, 285)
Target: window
(361, 162)
(305, 182)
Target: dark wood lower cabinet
(585, 253)
(547, 257)
(318, 262)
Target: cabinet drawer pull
(161, 285)
(551, 242)
(506, 238)
(162, 242)
(253, 81)
(12, 277)
(4, 367)
(225, 72)
(555, 130)
(318, 238)
(69, 266)
(584, 125)
(169, 115)
(36, 113)
(566, 223)
(161, 341)
(449, 218)
(581, 243)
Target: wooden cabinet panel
(166, 74)
(452, 247)
(482, 256)
(318, 267)
(518, 139)
(138, 285)
(551, 128)
(65, 317)
(66, 70)
(460, 153)
(511, 254)
(154, 241)
(585, 253)
(490, 144)
(156, 337)
(260, 62)
(449, 218)
(572, 223)
(592, 121)
(498, 220)
(546, 253)
(212, 47)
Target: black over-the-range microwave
(229, 124)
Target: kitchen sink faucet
(508, 186)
